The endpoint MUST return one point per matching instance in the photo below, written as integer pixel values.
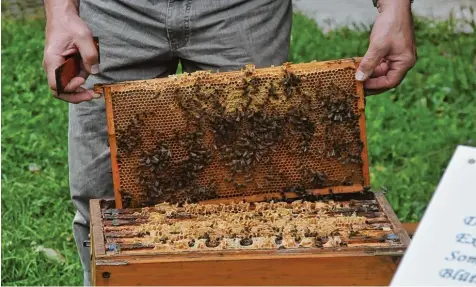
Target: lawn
(412, 133)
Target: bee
(237, 117)
(157, 94)
(250, 114)
(283, 194)
(289, 82)
(238, 185)
(118, 158)
(272, 92)
(212, 243)
(269, 177)
(246, 241)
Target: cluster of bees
(165, 180)
(244, 138)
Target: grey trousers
(146, 39)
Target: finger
(75, 83)
(374, 92)
(80, 95)
(381, 70)
(82, 71)
(50, 63)
(76, 98)
(376, 52)
(94, 95)
(85, 44)
(392, 79)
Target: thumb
(50, 62)
(89, 53)
(371, 60)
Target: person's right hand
(66, 35)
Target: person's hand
(392, 52)
(67, 34)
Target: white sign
(443, 249)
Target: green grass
(412, 133)
(36, 207)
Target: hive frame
(98, 224)
(109, 89)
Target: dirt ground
(329, 14)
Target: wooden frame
(410, 228)
(363, 132)
(360, 266)
(108, 89)
(113, 148)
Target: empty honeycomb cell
(238, 134)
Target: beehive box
(253, 177)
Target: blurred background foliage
(412, 132)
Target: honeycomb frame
(321, 225)
(295, 103)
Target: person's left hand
(392, 52)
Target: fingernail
(95, 69)
(94, 95)
(359, 76)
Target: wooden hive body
(200, 163)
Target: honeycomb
(324, 224)
(294, 130)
